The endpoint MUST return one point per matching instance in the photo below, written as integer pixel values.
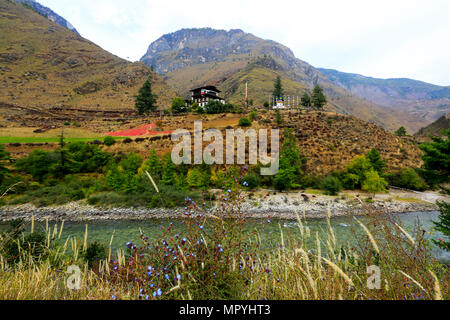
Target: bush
(253, 180)
(331, 185)
(245, 122)
(95, 252)
(109, 141)
(408, 178)
(253, 115)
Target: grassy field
(4, 140)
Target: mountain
(229, 59)
(48, 13)
(47, 70)
(434, 129)
(423, 100)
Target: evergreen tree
(443, 225)
(4, 158)
(278, 88)
(305, 100)
(437, 159)
(318, 99)
(169, 172)
(145, 100)
(401, 132)
(377, 162)
(153, 166)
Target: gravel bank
(282, 206)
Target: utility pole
(246, 95)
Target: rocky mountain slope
(434, 129)
(228, 59)
(47, 70)
(421, 99)
(49, 14)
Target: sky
(377, 38)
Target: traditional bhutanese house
(205, 94)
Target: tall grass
(212, 259)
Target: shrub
(253, 115)
(94, 252)
(178, 105)
(253, 180)
(408, 178)
(331, 185)
(245, 122)
(109, 141)
(443, 225)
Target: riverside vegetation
(79, 170)
(212, 259)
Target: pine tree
(377, 162)
(170, 172)
(278, 88)
(4, 158)
(443, 225)
(305, 100)
(145, 100)
(318, 99)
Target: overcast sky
(378, 38)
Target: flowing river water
(123, 231)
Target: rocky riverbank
(261, 205)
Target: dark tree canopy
(305, 100)
(146, 100)
(318, 99)
(278, 88)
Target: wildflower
(113, 297)
(178, 276)
(167, 276)
(159, 292)
(146, 297)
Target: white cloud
(375, 38)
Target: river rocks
(276, 206)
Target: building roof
(212, 88)
(207, 95)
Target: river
(123, 231)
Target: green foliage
(95, 252)
(358, 168)
(109, 141)
(291, 164)
(318, 99)
(443, 225)
(253, 115)
(373, 182)
(169, 176)
(178, 105)
(408, 178)
(376, 161)
(278, 88)
(331, 185)
(38, 164)
(278, 117)
(4, 159)
(214, 107)
(145, 100)
(305, 100)
(436, 159)
(153, 166)
(266, 104)
(401, 132)
(245, 122)
(253, 180)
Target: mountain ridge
(425, 100)
(198, 56)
